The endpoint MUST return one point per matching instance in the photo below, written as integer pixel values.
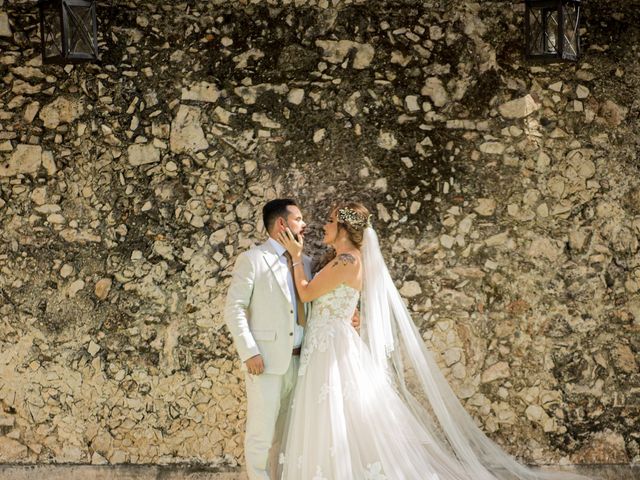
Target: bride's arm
(340, 270)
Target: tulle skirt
(347, 421)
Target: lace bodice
(328, 312)
(337, 305)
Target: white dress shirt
(298, 331)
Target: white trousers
(268, 398)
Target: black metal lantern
(551, 29)
(68, 31)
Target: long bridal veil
(397, 346)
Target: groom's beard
(296, 234)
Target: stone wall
(506, 195)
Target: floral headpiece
(353, 218)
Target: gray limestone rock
(202, 92)
(497, 371)
(187, 135)
(435, 90)
(61, 110)
(5, 28)
(486, 207)
(142, 154)
(24, 159)
(337, 51)
(12, 450)
(519, 108)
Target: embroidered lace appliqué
(328, 311)
(319, 475)
(374, 472)
(324, 392)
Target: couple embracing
(328, 402)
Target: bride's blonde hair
(353, 218)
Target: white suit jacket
(258, 309)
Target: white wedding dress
(352, 416)
(346, 420)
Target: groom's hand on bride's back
(355, 320)
(255, 365)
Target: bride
(352, 415)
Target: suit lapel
(278, 269)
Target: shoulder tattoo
(344, 258)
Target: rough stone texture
(129, 187)
(434, 89)
(140, 154)
(5, 28)
(187, 135)
(201, 91)
(520, 107)
(336, 52)
(24, 159)
(61, 110)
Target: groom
(266, 318)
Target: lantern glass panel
(570, 13)
(52, 31)
(543, 28)
(80, 21)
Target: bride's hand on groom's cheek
(294, 246)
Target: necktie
(299, 304)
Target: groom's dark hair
(274, 209)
